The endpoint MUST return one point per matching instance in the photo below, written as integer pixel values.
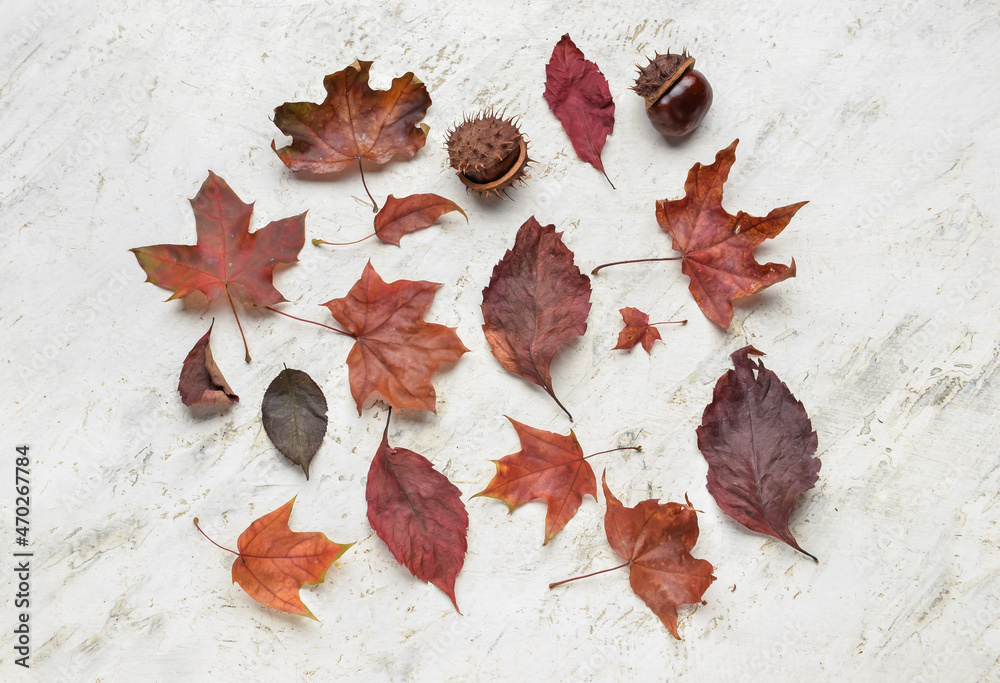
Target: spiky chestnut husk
(677, 97)
(489, 153)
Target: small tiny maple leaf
(274, 562)
(638, 329)
(396, 351)
(549, 466)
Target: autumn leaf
(656, 540)
(201, 381)
(578, 94)
(294, 416)
(550, 467)
(399, 217)
(274, 562)
(354, 122)
(717, 246)
(418, 514)
(396, 351)
(537, 301)
(227, 258)
(759, 442)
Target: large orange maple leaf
(396, 351)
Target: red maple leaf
(637, 329)
(396, 351)
(578, 94)
(717, 246)
(418, 514)
(537, 301)
(759, 442)
(549, 466)
(227, 258)
(354, 122)
(274, 562)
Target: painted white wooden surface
(884, 115)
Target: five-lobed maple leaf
(418, 514)
(536, 302)
(578, 94)
(227, 258)
(201, 380)
(655, 540)
(396, 351)
(638, 329)
(759, 443)
(274, 562)
(354, 122)
(717, 246)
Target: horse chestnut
(489, 153)
(677, 97)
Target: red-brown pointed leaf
(419, 515)
(637, 330)
(402, 216)
(656, 540)
(275, 562)
(759, 443)
(354, 122)
(396, 351)
(536, 302)
(227, 255)
(549, 467)
(201, 381)
(578, 94)
(294, 416)
(718, 246)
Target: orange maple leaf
(396, 351)
(275, 562)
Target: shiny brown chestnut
(677, 96)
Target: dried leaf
(275, 562)
(550, 467)
(227, 256)
(396, 351)
(717, 246)
(202, 382)
(759, 442)
(656, 540)
(537, 301)
(294, 416)
(354, 122)
(419, 515)
(402, 216)
(579, 96)
(637, 329)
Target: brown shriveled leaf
(578, 94)
(418, 514)
(274, 562)
(550, 467)
(402, 216)
(396, 351)
(354, 122)
(717, 246)
(637, 329)
(537, 301)
(294, 416)
(202, 382)
(759, 444)
(656, 540)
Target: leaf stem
(362, 169)
(587, 576)
(289, 315)
(670, 322)
(558, 402)
(608, 179)
(211, 541)
(612, 450)
(239, 325)
(317, 242)
(638, 260)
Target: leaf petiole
(318, 242)
(211, 541)
(303, 320)
(239, 325)
(586, 576)
(362, 169)
(612, 450)
(638, 260)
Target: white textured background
(884, 115)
